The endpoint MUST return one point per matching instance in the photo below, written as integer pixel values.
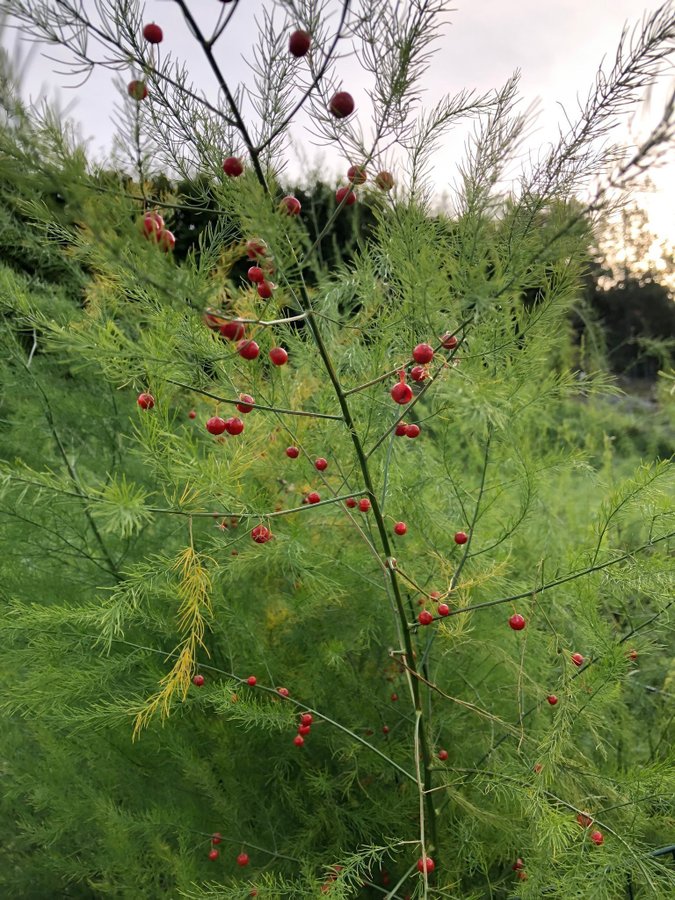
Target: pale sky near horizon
(557, 45)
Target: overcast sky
(557, 44)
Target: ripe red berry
(215, 425)
(256, 274)
(306, 718)
(384, 180)
(343, 192)
(518, 864)
(153, 33)
(304, 729)
(552, 699)
(152, 224)
(443, 609)
(298, 740)
(442, 755)
(248, 349)
(633, 654)
(198, 680)
(290, 205)
(261, 534)
(537, 768)
(213, 854)
(292, 452)
(192, 414)
(584, 820)
(400, 528)
(517, 622)
(233, 167)
(425, 617)
(233, 331)
(426, 864)
(419, 373)
(364, 504)
(449, 341)
(321, 464)
(234, 425)
(400, 430)
(394, 698)
(138, 90)
(412, 430)
(145, 401)
(401, 393)
(242, 859)
(216, 838)
(255, 248)
(278, 356)
(385, 729)
(577, 659)
(313, 497)
(298, 43)
(246, 403)
(423, 353)
(265, 290)
(283, 692)
(167, 240)
(597, 837)
(251, 680)
(341, 105)
(350, 503)
(461, 537)
(357, 174)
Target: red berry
(306, 718)
(552, 699)
(400, 528)
(234, 425)
(283, 692)
(153, 33)
(597, 837)
(522, 876)
(298, 43)
(461, 537)
(394, 698)
(584, 820)
(278, 356)
(167, 240)
(242, 859)
(425, 617)
(304, 729)
(412, 430)
(233, 167)
(321, 464)
(577, 659)
(298, 740)
(357, 174)
(401, 393)
(145, 401)
(213, 854)
(419, 373)
(518, 864)
(256, 274)
(442, 755)
(384, 180)
(292, 452)
(537, 768)
(633, 654)
(313, 497)
(255, 248)
(517, 622)
(261, 534)
(385, 729)
(192, 414)
(364, 504)
(198, 680)
(152, 224)
(291, 206)
(350, 503)
(449, 341)
(423, 353)
(251, 680)
(341, 105)
(443, 609)
(265, 290)
(343, 192)
(233, 331)
(138, 90)
(401, 429)
(426, 864)
(216, 837)
(248, 349)
(246, 403)
(215, 425)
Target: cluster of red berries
(363, 504)
(304, 727)
(586, 821)
(216, 838)
(153, 229)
